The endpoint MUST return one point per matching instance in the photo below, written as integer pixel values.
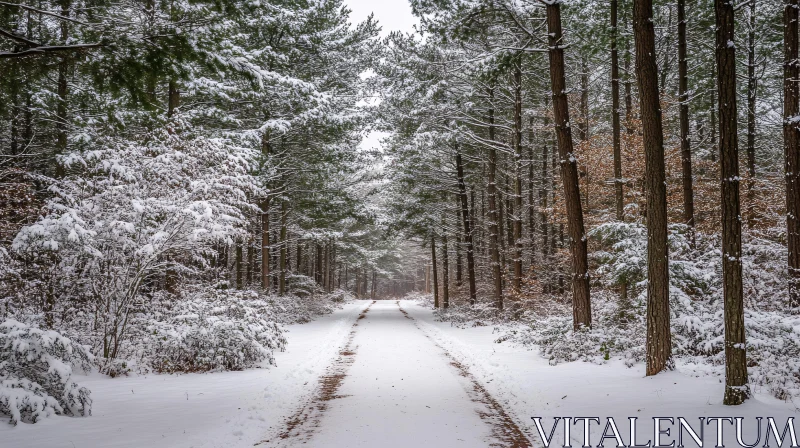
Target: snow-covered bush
(214, 330)
(36, 374)
(135, 213)
(696, 307)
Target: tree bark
(63, 91)
(494, 228)
(791, 145)
(629, 126)
(545, 184)
(445, 269)
(736, 389)
(581, 305)
(282, 264)
(239, 266)
(615, 106)
(467, 220)
(435, 275)
(517, 283)
(683, 97)
(659, 345)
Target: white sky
(392, 15)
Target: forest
(602, 181)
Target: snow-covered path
(395, 387)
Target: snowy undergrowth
(36, 374)
(619, 327)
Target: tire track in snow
(301, 425)
(503, 426)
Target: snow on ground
(527, 386)
(224, 409)
(400, 391)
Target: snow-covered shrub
(36, 374)
(131, 213)
(696, 308)
(215, 330)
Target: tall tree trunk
(63, 91)
(445, 269)
(517, 283)
(714, 147)
(545, 184)
(665, 64)
(791, 144)
(736, 389)
(629, 126)
(282, 263)
(615, 126)
(581, 304)
(174, 98)
(569, 173)
(265, 255)
(435, 275)
(459, 264)
(751, 112)
(494, 218)
(531, 190)
(239, 266)
(683, 97)
(250, 260)
(467, 219)
(659, 345)
(583, 123)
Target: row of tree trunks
(494, 228)
(517, 218)
(467, 221)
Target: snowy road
(392, 386)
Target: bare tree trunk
(659, 345)
(736, 389)
(174, 98)
(531, 203)
(282, 265)
(265, 256)
(445, 270)
(791, 145)
(581, 304)
(683, 97)
(583, 124)
(467, 219)
(615, 126)
(435, 275)
(494, 218)
(250, 261)
(63, 91)
(239, 266)
(629, 126)
(545, 184)
(517, 283)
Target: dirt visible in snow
(302, 423)
(503, 426)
